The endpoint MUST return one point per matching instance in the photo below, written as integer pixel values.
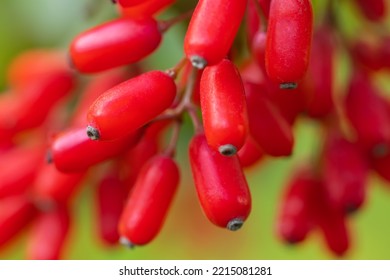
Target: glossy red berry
(130, 105)
(224, 108)
(149, 201)
(73, 151)
(208, 39)
(126, 40)
(289, 36)
(220, 184)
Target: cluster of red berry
(60, 133)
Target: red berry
(208, 39)
(73, 151)
(250, 153)
(126, 41)
(318, 83)
(288, 41)
(223, 105)
(345, 173)
(31, 105)
(295, 215)
(149, 201)
(368, 114)
(128, 106)
(221, 185)
(15, 213)
(111, 194)
(35, 64)
(331, 222)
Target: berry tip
(93, 133)
(126, 242)
(291, 85)
(227, 150)
(235, 224)
(198, 62)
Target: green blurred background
(187, 234)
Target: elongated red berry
(317, 85)
(47, 238)
(208, 39)
(130, 105)
(32, 103)
(345, 173)
(126, 40)
(35, 64)
(295, 215)
(110, 196)
(331, 222)
(220, 184)
(73, 151)
(289, 37)
(368, 115)
(150, 200)
(224, 108)
(16, 212)
(267, 126)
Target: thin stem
(171, 148)
(164, 25)
(198, 127)
(173, 72)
